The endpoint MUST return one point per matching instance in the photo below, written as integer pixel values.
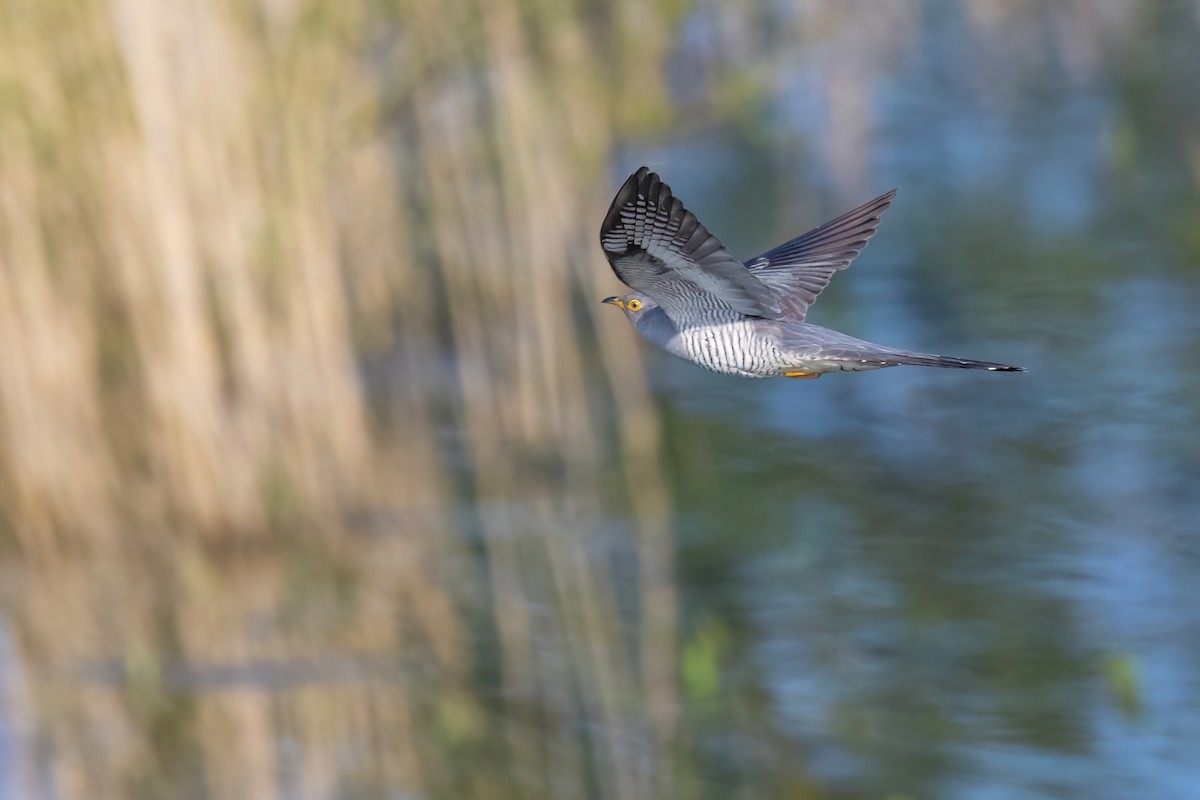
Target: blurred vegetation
(275, 272)
(319, 480)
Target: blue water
(979, 585)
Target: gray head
(646, 315)
(635, 305)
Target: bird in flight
(692, 298)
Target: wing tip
(643, 182)
(879, 204)
(612, 219)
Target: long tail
(930, 360)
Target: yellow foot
(801, 374)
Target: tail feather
(930, 360)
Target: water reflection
(325, 475)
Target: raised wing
(658, 247)
(798, 270)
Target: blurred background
(324, 474)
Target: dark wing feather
(799, 269)
(658, 247)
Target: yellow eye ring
(634, 305)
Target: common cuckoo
(694, 299)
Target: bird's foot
(801, 374)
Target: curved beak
(613, 301)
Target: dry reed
(186, 243)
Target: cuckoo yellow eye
(634, 305)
